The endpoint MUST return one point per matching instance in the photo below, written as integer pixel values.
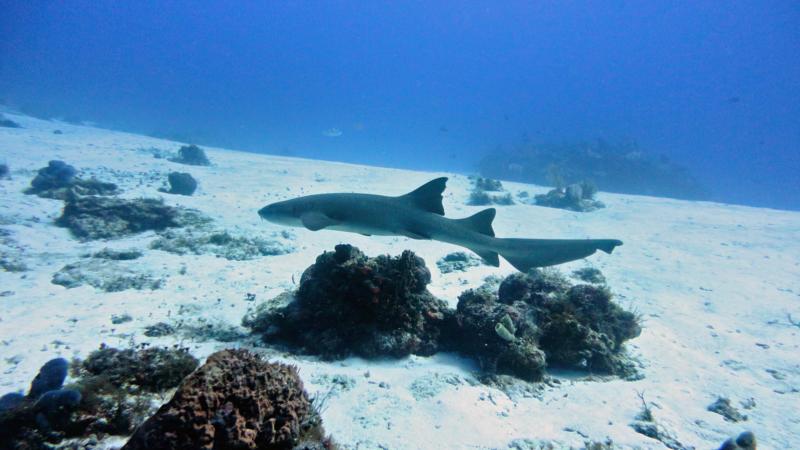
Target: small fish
(332, 132)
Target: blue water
(428, 85)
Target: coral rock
(348, 303)
(234, 401)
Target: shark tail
(525, 254)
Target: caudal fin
(525, 254)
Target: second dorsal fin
(428, 197)
(480, 222)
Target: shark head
(286, 213)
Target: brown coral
(234, 401)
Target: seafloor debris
(348, 303)
(539, 319)
(191, 155)
(58, 181)
(113, 393)
(93, 217)
(646, 424)
(457, 262)
(180, 183)
(8, 123)
(118, 255)
(723, 407)
(159, 329)
(108, 275)
(45, 410)
(235, 401)
(219, 243)
(152, 369)
(480, 193)
(745, 441)
(574, 197)
(589, 275)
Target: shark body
(420, 215)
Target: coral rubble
(93, 217)
(574, 197)
(59, 181)
(108, 275)
(457, 262)
(191, 155)
(220, 243)
(480, 195)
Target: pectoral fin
(316, 220)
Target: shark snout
(263, 212)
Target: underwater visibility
(375, 225)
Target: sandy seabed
(715, 284)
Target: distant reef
(617, 167)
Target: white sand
(714, 283)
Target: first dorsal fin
(480, 222)
(428, 197)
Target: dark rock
(158, 330)
(108, 218)
(58, 181)
(51, 376)
(118, 319)
(55, 406)
(8, 123)
(56, 175)
(11, 401)
(234, 401)
(153, 369)
(191, 155)
(348, 304)
(27, 422)
(723, 407)
(745, 441)
(181, 183)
